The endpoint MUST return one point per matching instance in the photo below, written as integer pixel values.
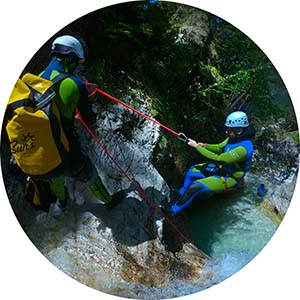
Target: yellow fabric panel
(20, 91)
(38, 83)
(29, 130)
(36, 198)
(27, 144)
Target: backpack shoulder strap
(60, 77)
(50, 93)
(13, 106)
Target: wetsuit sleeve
(69, 96)
(84, 105)
(216, 148)
(235, 155)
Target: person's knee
(191, 191)
(187, 198)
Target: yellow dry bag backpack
(37, 140)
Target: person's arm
(235, 155)
(84, 105)
(69, 95)
(216, 148)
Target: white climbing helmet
(237, 119)
(67, 44)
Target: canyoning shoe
(116, 199)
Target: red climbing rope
(134, 184)
(181, 136)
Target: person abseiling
(231, 160)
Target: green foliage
(191, 85)
(154, 112)
(163, 142)
(138, 38)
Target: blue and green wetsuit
(231, 161)
(72, 93)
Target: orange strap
(224, 182)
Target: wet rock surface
(132, 245)
(105, 248)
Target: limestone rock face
(192, 25)
(134, 226)
(111, 249)
(276, 161)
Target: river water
(232, 229)
(233, 222)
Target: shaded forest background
(191, 67)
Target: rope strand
(131, 108)
(134, 184)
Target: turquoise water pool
(231, 229)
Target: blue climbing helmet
(237, 119)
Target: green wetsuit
(72, 94)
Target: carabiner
(182, 137)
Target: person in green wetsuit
(231, 160)
(66, 54)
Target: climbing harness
(223, 178)
(224, 182)
(181, 136)
(133, 183)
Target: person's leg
(57, 185)
(85, 171)
(194, 190)
(89, 175)
(194, 173)
(203, 187)
(99, 191)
